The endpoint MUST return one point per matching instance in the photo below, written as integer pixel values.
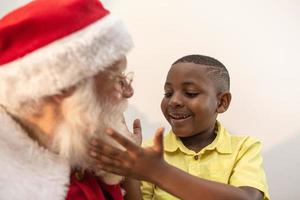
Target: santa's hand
(135, 162)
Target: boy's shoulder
(220, 129)
(238, 142)
(240, 138)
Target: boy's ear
(58, 98)
(223, 101)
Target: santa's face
(97, 104)
(112, 84)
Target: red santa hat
(49, 45)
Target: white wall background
(258, 41)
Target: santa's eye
(125, 79)
(122, 82)
(129, 77)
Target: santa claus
(62, 83)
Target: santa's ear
(224, 99)
(58, 98)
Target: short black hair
(215, 69)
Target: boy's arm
(132, 188)
(148, 164)
(186, 186)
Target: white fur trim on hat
(64, 62)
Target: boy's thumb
(158, 139)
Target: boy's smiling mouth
(178, 118)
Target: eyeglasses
(123, 79)
(129, 77)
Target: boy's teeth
(179, 116)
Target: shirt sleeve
(147, 190)
(248, 169)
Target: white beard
(86, 118)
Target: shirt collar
(222, 142)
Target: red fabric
(42, 22)
(91, 188)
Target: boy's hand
(135, 161)
(137, 132)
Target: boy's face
(191, 101)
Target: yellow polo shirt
(229, 159)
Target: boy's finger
(137, 128)
(101, 148)
(127, 144)
(158, 139)
(108, 152)
(137, 132)
(112, 169)
(111, 165)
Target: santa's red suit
(29, 171)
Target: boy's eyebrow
(184, 83)
(167, 85)
(188, 83)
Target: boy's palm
(135, 161)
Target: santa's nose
(127, 90)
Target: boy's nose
(176, 100)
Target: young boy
(198, 159)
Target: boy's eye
(191, 94)
(168, 94)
